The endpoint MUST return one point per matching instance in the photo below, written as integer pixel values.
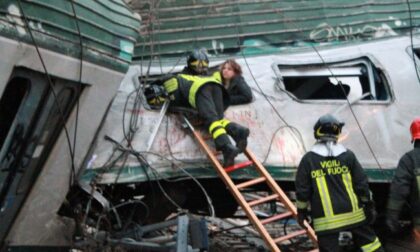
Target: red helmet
(415, 129)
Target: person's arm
(303, 187)
(398, 193)
(360, 180)
(302, 182)
(241, 92)
(361, 188)
(400, 186)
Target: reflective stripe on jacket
(189, 85)
(333, 187)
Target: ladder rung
(289, 236)
(250, 182)
(235, 189)
(238, 166)
(276, 217)
(262, 200)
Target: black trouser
(363, 237)
(209, 103)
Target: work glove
(155, 95)
(370, 212)
(391, 221)
(302, 215)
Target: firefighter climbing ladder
(278, 195)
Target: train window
(417, 59)
(353, 80)
(31, 123)
(10, 103)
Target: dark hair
(236, 67)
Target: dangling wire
(347, 100)
(57, 103)
(297, 137)
(349, 105)
(79, 88)
(411, 41)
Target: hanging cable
(411, 41)
(78, 89)
(210, 205)
(343, 90)
(347, 100)
(299, 141)
(73, 169)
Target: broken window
(352, 80)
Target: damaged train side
(87, 163)
(291, 91)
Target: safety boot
(229, 151)
(239, 133)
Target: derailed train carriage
(296, 70)
(294, 55)
(61, 63)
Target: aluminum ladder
(277, 194)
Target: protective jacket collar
(328, 149)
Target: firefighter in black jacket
(405, 185)
(196, 88)
(330, 181)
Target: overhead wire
(349, 106)
(143, 163)
(210, 205)
(324, 63)
(51, 85)
(129, 134)
(209, 201)
(128, 137)
(284, 121)
(413, 51)
(145, 81)
(298, 137)
(416, 69)
(129, 131)
(138, 89)
(332, 74)
(78, 89)
(343, 90)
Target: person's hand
(302, 215)
(155, 95)
(370, 212)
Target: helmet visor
(197, 63)
(328, 131)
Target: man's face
(199, 66)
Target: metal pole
(155, 130)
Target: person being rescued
(234, 82)
(195, 87)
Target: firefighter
(331, 182)
(195, 87)
(405, 186)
